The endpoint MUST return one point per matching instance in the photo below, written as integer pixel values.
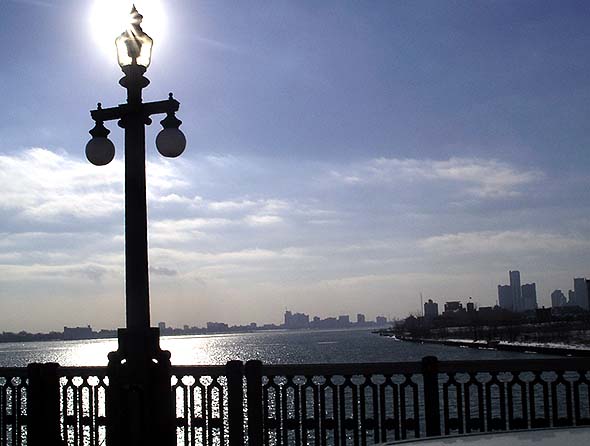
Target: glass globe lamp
(100, 151)
(171, 142)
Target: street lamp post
(139, 401)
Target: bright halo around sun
(109, 18)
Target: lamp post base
(139, 402)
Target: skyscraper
(517, 303)
(581, 293)
(505, 297)
(558, 299)
(529, 296)
(571, 298)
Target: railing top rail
(82, 371)
(342, 369)
(472, 366)
(516, 365)
(482, 366)
(13, 371)
(199, 370)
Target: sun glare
(109, 18)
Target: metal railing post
(254, 393)
(235, 396)
(43, 424)
(431, 396)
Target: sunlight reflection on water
(307, 346)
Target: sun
(109, 18)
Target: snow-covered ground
(484, 343)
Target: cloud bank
(239, 239)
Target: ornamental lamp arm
(167, 106)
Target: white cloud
(263, 220)
(184, 230)
(483, 178)
(231, 206)
(42, 184)
(163, 271)
(187, 224)
(163, 176)
(246, 255)
(178, 199)
(58, 273)
(494, 242)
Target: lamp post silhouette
(139, 402)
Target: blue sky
(342, 157)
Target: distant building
(571, 298)
(517, 303)
(328, 323)
(381, 320)
(296, 320)
(78, 333)
(217, 326)
(162, 326)
(558, 299)
(344, 320)
(430, 310)
(360, 319)
(470, 307)
(529, 297)
(453, 306)
(505, 297)
(581, 293)
(515, 297)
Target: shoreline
(519, 347)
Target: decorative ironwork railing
(510, 395)
(341, 404)
(363, 404)
(317, 404)
(82, 402)
(13, 406)
(286, 404)
(200, 394)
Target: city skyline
(424, 302)
(210, 327)
(339, 154)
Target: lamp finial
(136, 17)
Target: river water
(271, 347)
